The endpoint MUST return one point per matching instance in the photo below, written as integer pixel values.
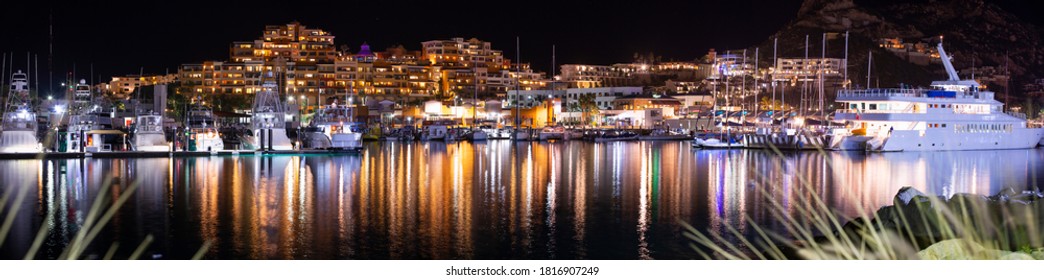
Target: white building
(604, 96)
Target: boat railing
(1016, 114)
(881, 92)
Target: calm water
(499, 200)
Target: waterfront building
(123, 86)
(800, 69)
(595, 76)
(460, 53)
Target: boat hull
(150, 142)
(665, 138)
(479, 135)
(19, 141)
(280, 142)
(947, 140)
(346, 141)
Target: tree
(588, 107)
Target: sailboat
(268, 123)
(518, 132)
(19, 124)
(552, 130)
(477, 134)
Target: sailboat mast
(775, 67)
(743, 81)
(804, 80)
(36, 73)
(518, 67)
(757, 89)
(822, 89)
(869, 63)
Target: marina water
(493, 200)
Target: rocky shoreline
(1007, 225)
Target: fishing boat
(952, 114)
(148, 133)
(203, 131)
(268, 121)
(84, 121)
(19, 123)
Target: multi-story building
(919, 53)
(306, 64)
(460, 53)
(593, 76)
(800, 69)
(300, 58)
(125, 85)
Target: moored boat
(952, 114)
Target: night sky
(121, 38)
(159, 35)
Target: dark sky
(120, 38)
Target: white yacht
(332, 129)
(437, 131)
(952, 115)
(269, 115)
(557, 132)
(19, 124)
(204, 135)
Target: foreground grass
(98, 216)
(916, 226)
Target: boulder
(908, 194)
(953, 249)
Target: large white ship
(951, 115)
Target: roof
(225, 114)
(105, 131)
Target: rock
(1038, 254)
(953, 249)
(1004, 195)
(908, 194)
(1016, 256)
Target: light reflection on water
(495, 200)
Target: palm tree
(588, 107)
